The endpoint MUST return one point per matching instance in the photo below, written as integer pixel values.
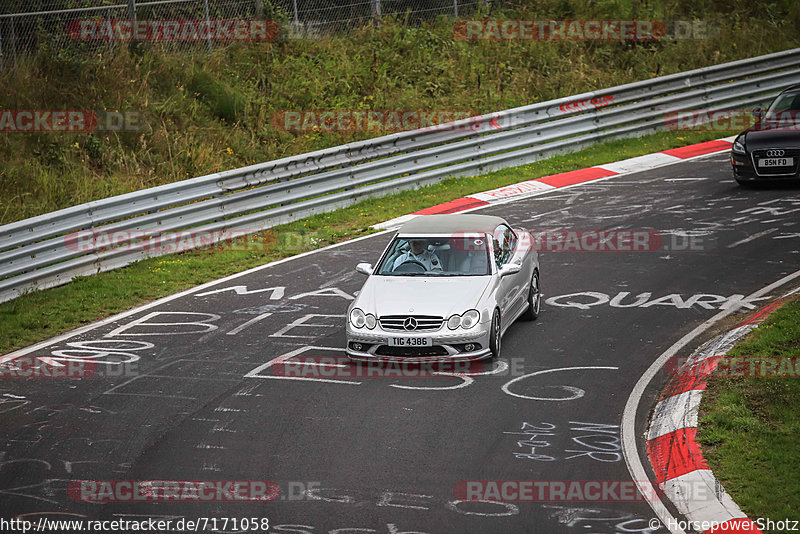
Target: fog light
(469, 347)
(356, 346)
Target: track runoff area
(230, 408)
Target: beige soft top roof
(448, 224)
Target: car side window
(505, 241)
(786, 102)
(498, 251)
(511, 243)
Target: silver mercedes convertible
(445, 289)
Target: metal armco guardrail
(41, 251)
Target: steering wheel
(410, 266)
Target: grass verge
(749, 426)
(43, 314)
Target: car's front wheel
(495, 337)
(534, 299)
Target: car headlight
(738, 145)
(470, 319)
(466, 320)
(357, 318)
(454, 322)
(370, 321)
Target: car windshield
(784, 107)
(464, 255)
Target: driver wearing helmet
(419, 253)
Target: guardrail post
(376, 9)
(259, 7)
(110, 41)
(1, 46)
(296, 15)
(13, 44)
(455, 8)
(132, 45)
(208, 22)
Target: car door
(515, 254)
(511, 292)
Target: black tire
(534, 299)
(495, 339)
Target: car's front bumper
(446, 345)
(744, 171)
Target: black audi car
(770, 149)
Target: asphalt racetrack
(186, 390)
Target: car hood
(768, 135)
(417, 295)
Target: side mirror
(364, 268)
(510, 268)
(757, 113)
